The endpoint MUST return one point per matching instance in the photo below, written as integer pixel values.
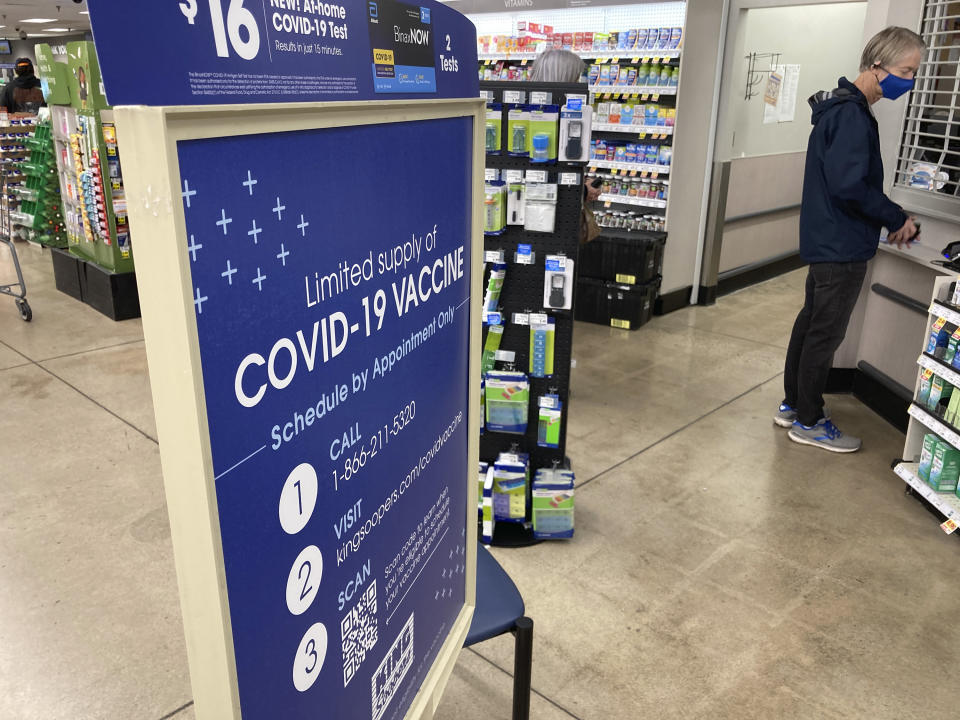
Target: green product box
(940, 390)
(945, 468)
(950, 416)
(930, 443)
(926, 378)
(951, 350)
(85, 81)
(493, 128)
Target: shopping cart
(17, 290)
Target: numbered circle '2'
(310, 656)
(303, 582)
(298, 498)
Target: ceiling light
(84, 12)
(39, 20)
(56, 30)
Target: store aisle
(718, 571)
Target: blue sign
(204, 52)
(331, 285)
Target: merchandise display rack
(925, 421)
(14, 131)
(522, 293)
(40, 203)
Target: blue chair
(500, 610)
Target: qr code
(358, 632)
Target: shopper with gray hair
(561, 66)
(842, 212)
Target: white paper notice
(785, 109)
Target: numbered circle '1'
(303, 582)
(298, 498)
(310, 656)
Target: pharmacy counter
(878, 358)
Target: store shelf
(939, 368)
(632, 129)
(932, 423)
(942, 311)
(947, 504)
(643, 202)
(632, 90)
(639, 167)
(625, 55)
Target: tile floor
(719, 571)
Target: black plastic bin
(614, 304)
(624, 260)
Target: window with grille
(928, 169)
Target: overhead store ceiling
(64, 13)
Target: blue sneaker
(786, 416)
(824, 435)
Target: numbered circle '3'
(298, 498)
(303, 582)
(310, 656)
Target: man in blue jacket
(843, 210)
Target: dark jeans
(831, 294)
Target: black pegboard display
(523, 292)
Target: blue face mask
(893, 86)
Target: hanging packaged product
(552, 506)
(544, 121)
(575, 122)
(508, 402)
(491, 298)
(540, 209)
(518, 128)
(558, 283)
(542, 336)
(489, 356)
(510, 479)
(516, 203)
(487, 520)
(493, 127)
(548, 427)
(495, 207)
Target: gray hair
(557, 66)
(890, 45)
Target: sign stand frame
(149, 137)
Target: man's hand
(592, 192)
(905, 235)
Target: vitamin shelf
(942, 311)
(653, 130)
(932, 423)
(614, 57)
(633, 90)
(947, 504)
(627, 200)
(638, 167)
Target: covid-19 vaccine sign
(333, 324)
(328, 270)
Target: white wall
(825, 40)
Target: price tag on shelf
(645, 96)
(490, 174)
(505, 355)
(635, 60)
(523, 62)
(593, 169)
(633, 173)
(487, 61)
(493, 256)
(516, 97)
(540, 98)
(656, 97)
(646, 60)
(569, 179)
(615, 60)
(607, 204)
(606, 96)
(538, 318)
(537, 176)
(514, 176)
(654, 175)
(643, 136)
(949, 525)
(644, 174)
(521, 318)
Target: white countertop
(920, 254)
